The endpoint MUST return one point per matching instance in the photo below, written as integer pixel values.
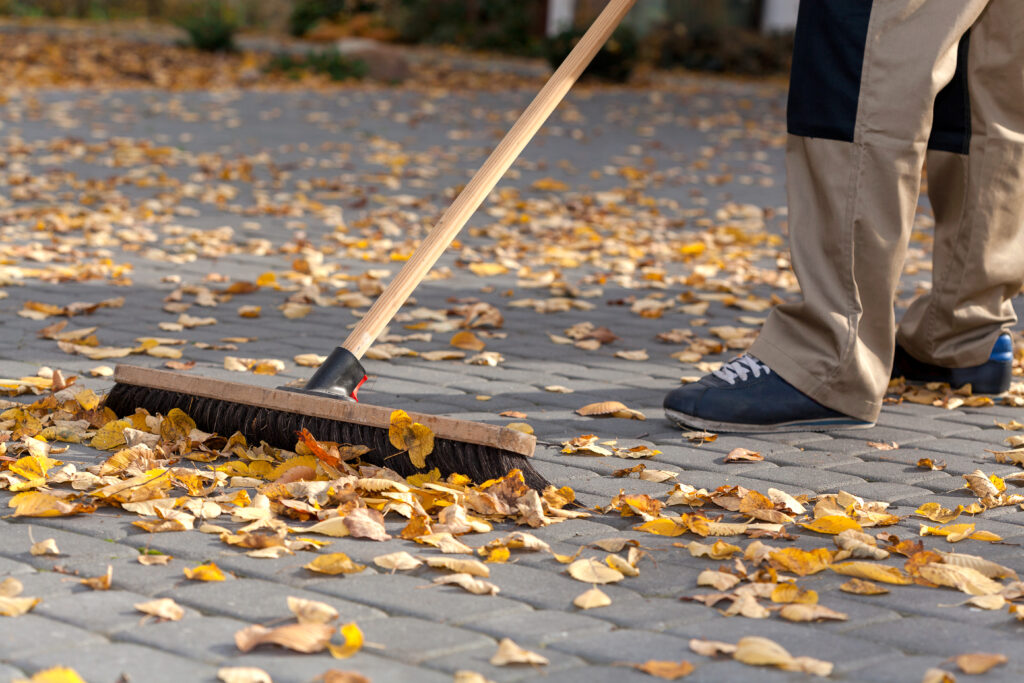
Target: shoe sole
(822, 425)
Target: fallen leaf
(938, 676)
(592, 599)
(510, 653)
(311, 611)
(400, 561)
(353, 642)
(590, 570)
(743, 455)
(243, 674)
(872, 572)
(669, 671)
(333, 564)
(339, 676)
(306, 638)
(976, 663)
(57, 674)
(204, 572)
(711, 648)
(469, 583)
(162, 608)
(45, 547)
(100, 583)
(799, 612)
(459, 565)
(410, 436)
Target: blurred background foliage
(712, 35)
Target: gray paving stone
(400, 595)
(283, 665)
(106, 613)
(930, 636)
(9, 673)
(414, 641)
(848, 651)
(478, 660)
(109, 662)
(636, 645)
(204, 639)
(910, 669)
(540, 626)
(35, 634)
(258, 601)
(822, 481)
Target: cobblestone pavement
(682, 156)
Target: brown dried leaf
(162, 608)
(510, 653)
(306, 638)
(976, 663)
(469, 583)
(743, 455)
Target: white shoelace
(740, 368)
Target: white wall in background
(561, 14)
(779, 15)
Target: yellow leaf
(467, 341)
(788, 592)
(510, 653)
(162, 608)
(979, 662)
(15, 607)
(110, 435)
(936, 513)
(872, 572)
(306, 638)
(34, 466)
(204, 572)
(487, 269)
(832, 524)
(45, 547)
(669, 671)
(468, 583)
(39, 504)
(87, 399)
(459, 565)
(662, 526)
(410, 436)
(334, 563)
(592, 599)
(311, 611)
(719, 550)
(803, 612)
(590, 570)
(498, 555)
(101, 582)
(862, 587)
(58, 674)
(353, 637)
(801, 562)
(400, 560)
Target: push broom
(327, 404)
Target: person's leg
(978, 200)
(865, 78)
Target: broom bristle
(278, 428)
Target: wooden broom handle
(469, 200)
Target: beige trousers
(852, 205)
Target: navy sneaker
(991, 377)
(744, 395)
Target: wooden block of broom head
(462, 431)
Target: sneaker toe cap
(685, 399)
